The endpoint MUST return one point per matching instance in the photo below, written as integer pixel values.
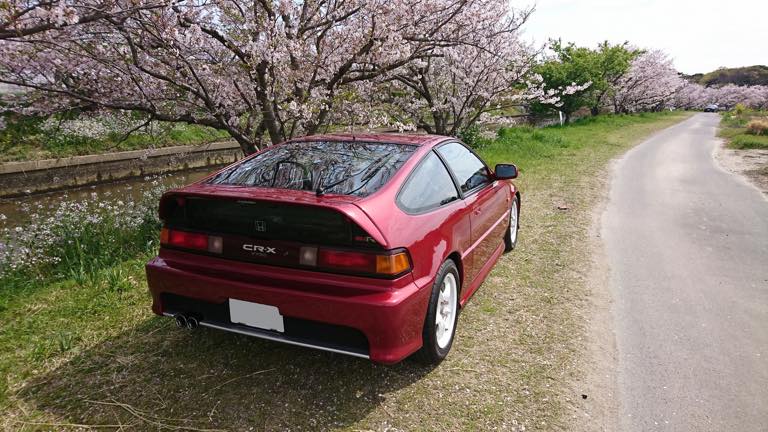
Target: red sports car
(366, 245)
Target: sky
(700, 36)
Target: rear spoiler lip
(264, 194)
(341, 203)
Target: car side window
(469, 170)
(428, 187)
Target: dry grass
(757, 127)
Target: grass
(733, 127)
(31, 138)
(86, 353)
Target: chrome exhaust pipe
(181, 320)
(192, 323)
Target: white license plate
(255, 315)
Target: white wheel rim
(445, 316)
(513, 223)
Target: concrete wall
(22, 178)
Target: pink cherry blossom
(650, 84)
(251, 68)
(463, 83)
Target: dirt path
(751, 165)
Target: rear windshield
(334, 167)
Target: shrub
(740, 108)
(470, 135)
(757, 127)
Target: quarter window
(428, 187)
(470, 171)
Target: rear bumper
(391, 320)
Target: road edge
(730, 161)
(598, 408)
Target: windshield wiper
(380, 162)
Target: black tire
(509, 241)
(431, 352)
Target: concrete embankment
(23, 178)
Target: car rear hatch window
(325, 167)
(264, 220)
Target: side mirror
(505, 171)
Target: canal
(15, 211)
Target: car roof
(392, 138)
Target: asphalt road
(687, 245)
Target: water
(16, 209)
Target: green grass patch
(73, 134)
(734, 128)
(745, 141)
(88, 350)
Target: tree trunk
(267, 114)
(440, 123)
(595, 110)
(245, 145)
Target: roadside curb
(44, 164)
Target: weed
(66, 341)
(118, 280)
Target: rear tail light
(190, 240)
(347, 260)
(389, 263)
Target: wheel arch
(456, 258)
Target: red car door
(486, 200)
(487, 221)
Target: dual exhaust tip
(187, 322)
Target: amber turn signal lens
(392, 264)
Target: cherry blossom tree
(610, 63)
(696, 96)
(463, 83)
(19, 18)
(692, 95)
(650, 84)
(729, 95)
(258, 68)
